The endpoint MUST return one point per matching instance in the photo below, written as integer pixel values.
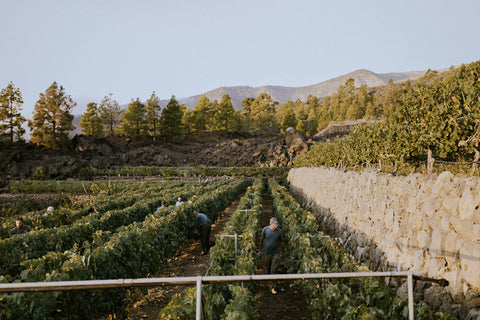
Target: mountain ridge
(283, 93)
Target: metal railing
(235, 236)
(153, 282)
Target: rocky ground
(25, 160)
(22, 160)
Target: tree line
(52, 117)
(439, 110)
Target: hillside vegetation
(435, 118)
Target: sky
(188, 47)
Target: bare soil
(21, 160)
(288, 303)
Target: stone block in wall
(475, 235)
(465, 228)
(443, 183)
(435, 296)
(470, 262)
(413, 204)
(411, 236)
(389, 218)
(451, 243)
(415, 221)
(472, 297)
(418, 260)
(424, 239)
(468, 206)
(435, 268)
(450, 204)
(430, 206)
(359, 252)
(394, 230)
(474, 314)
(445, 223)
(437, 245)
(392, 252)
(455, 283)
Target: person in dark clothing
(273, 245)
(203, 223)
(91, 211)
(20, 228)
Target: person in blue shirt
(272, 243)
(162, 205)
(179, 202)
(203, 223)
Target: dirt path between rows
(288, 303)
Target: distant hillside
(320, 90)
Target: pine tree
(301, 127)
(153, 117)
(202, 115)
(171, 120)
(392, 99)
(343, 100)
(11, 119)
(287, 117)
(247, 111)
(324, 113)
(110, 114)
(358, 104)
(91, 123)
(312, 123)
(300, 110)
(239, 124)
(52, 120)
(225, 114)
(263, 113)
(133, 123)
(313, 109)
(188, 121)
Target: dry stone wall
(428, 223)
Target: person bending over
(203, 223)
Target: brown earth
(20, 160)
(288, 303)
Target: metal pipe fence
(198, 281)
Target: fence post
(236, 245)
(199, 298)
(236, 236)
(411, 313)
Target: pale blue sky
(187, 47)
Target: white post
(411, 313)
(199, 298)
(315, 237)
(236, 236)
(236, 245)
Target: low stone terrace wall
(428, 223)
